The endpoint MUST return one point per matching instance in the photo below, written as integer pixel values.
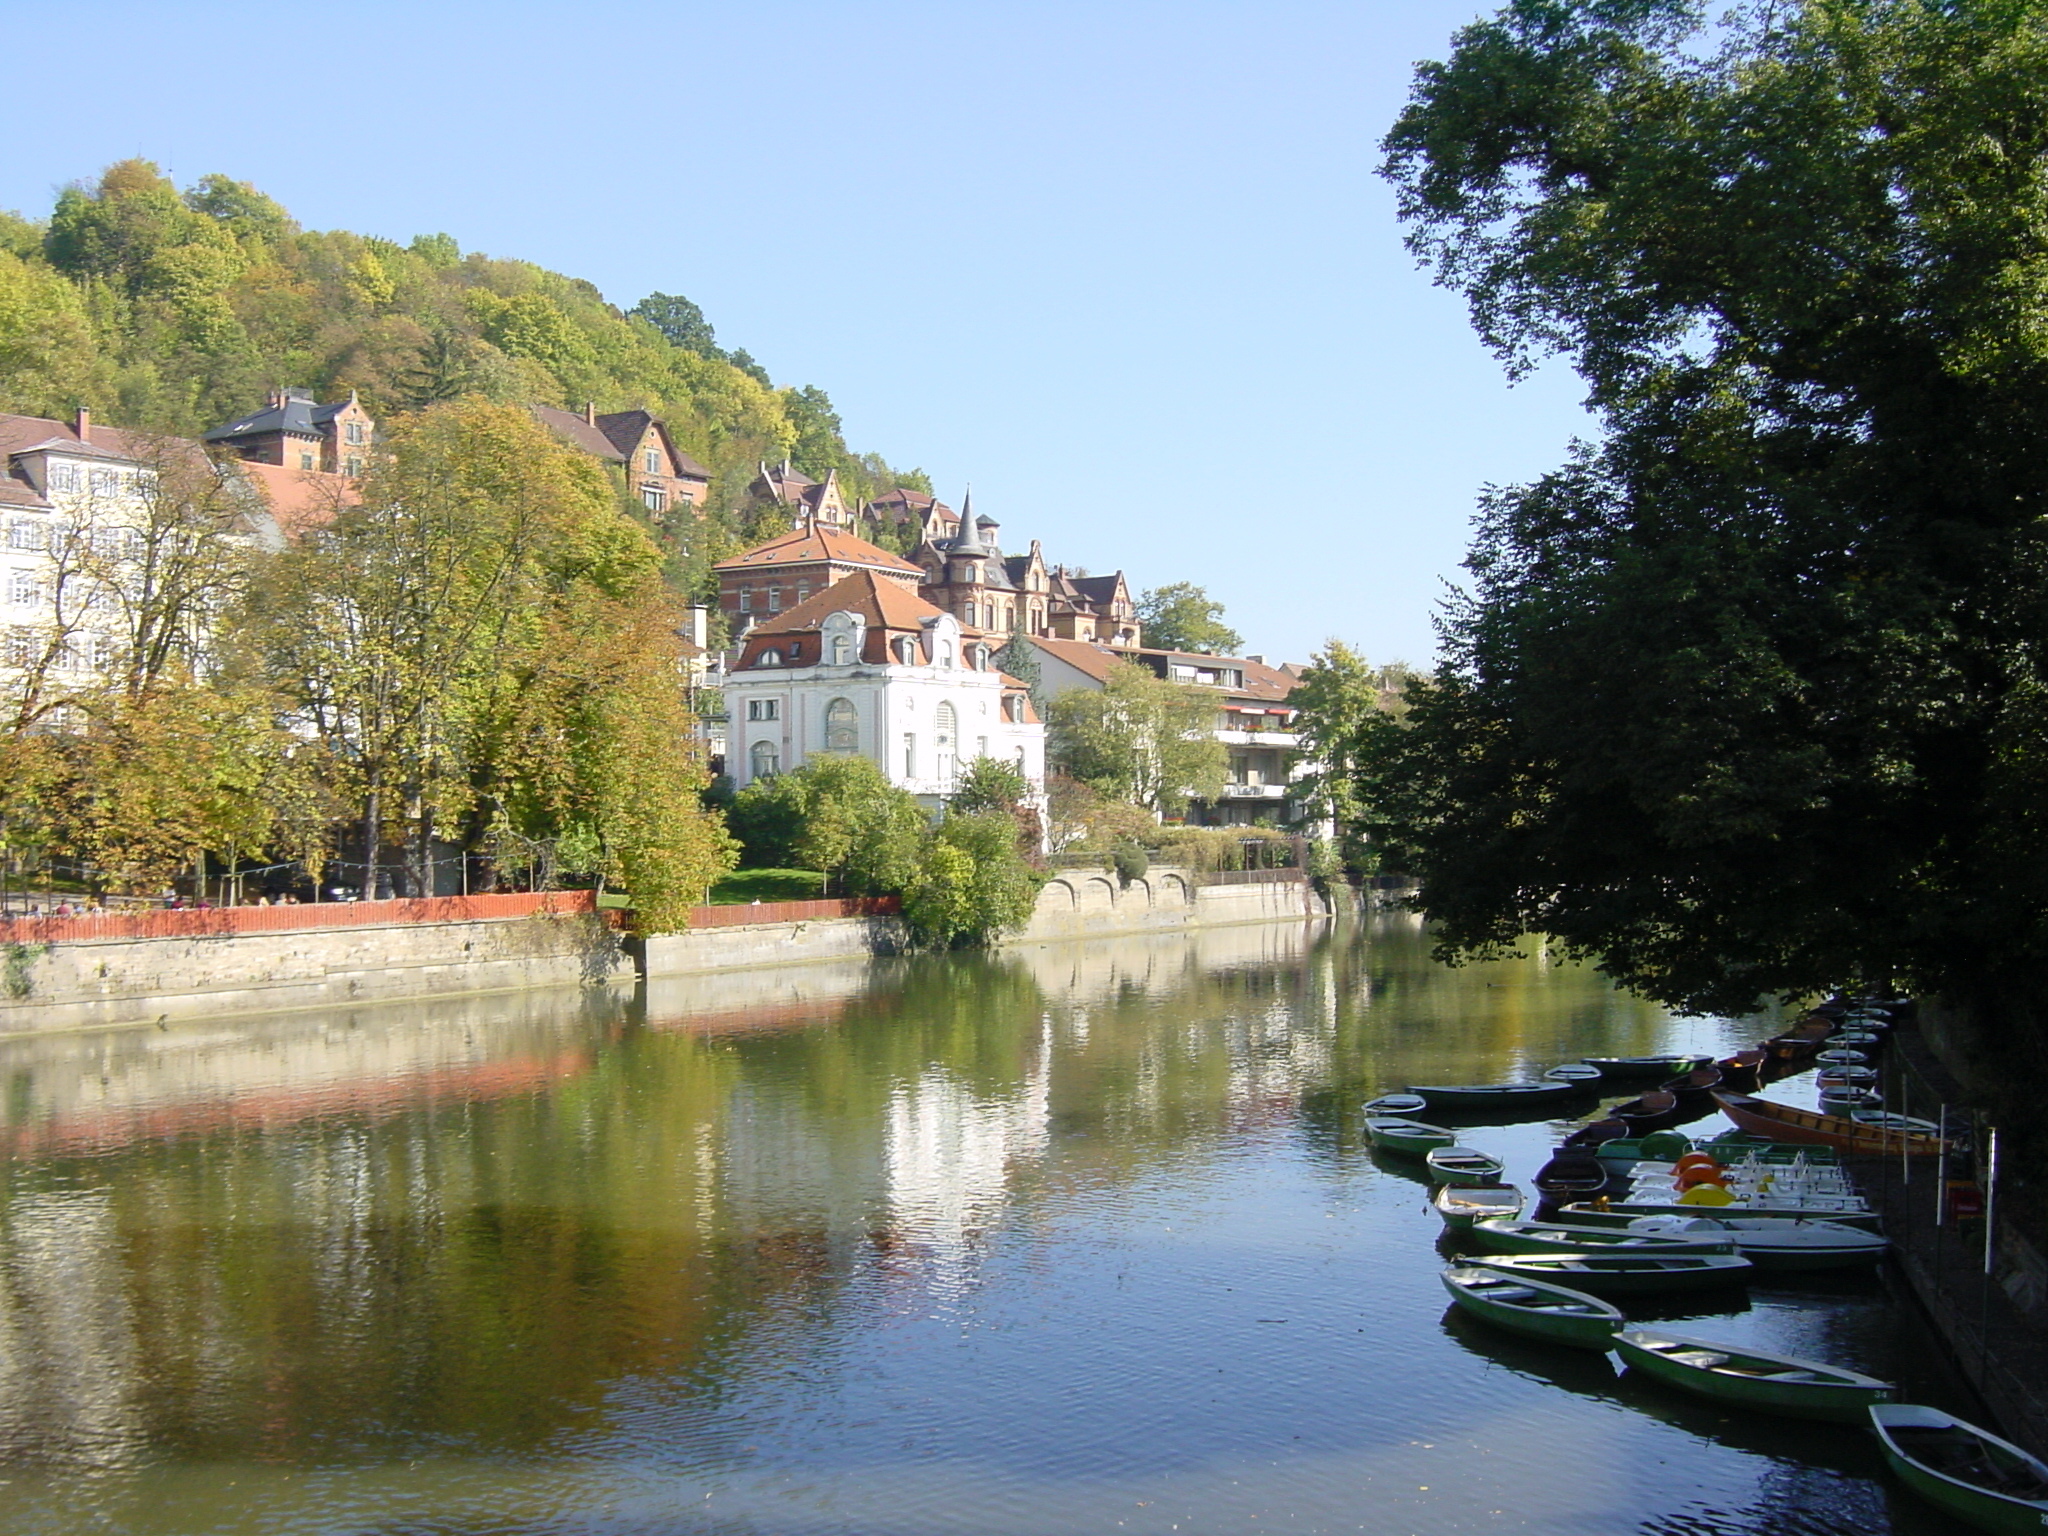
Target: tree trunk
(372, 818)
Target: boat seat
(1512, 1293)
(1702, 1359)
(1791, 1376)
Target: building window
(63, 477)
(842, 726)
(352, 466)
(842, 650)
(906, 651)
(746, 599)
(24, 591)
(803, 590)
(766, 759)
(944, 726)
(909, 746)
(305, 459)
(764, 709)
(774, 597)
(28, 534)
(654, 498)
(105, 482)
(796, 651)
(353, 434)
(945, 657)
(21, 646)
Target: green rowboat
(1396, 1133)
(1502, 1234)
(1540, 1310)
(1463, 1165)
(1461, 1206)
(1516, 1096)
(1624, 1274)
(1619, 1213)
(1749, 1379)
(1971, 1473)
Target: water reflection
(1077, 1237)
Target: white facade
(922, 717)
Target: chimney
(590, 412)
(83, 425)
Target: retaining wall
(100, 980)
(73, 973)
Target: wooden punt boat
(1396, 1133)
(1495, 1095)
(1988, 1482)
(1784, 1122)
(1779, 1245)
(1643, 1068)
(1574, 1174)
(1554, 1313)
(1623, 1274)
(1460, 1205)
(1883, 1120)
(1597, 1133)
(1749, 1378)
(1582, 1073)
(1504, 1234)
(1619, 1213)
(1396, 1104)
(1652, 1112)
(1465, 1166)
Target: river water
(1080, 1238)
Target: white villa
(867, 666)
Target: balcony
(1255, 791)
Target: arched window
(945, 727)
(945, 656)
(767, 760)
(906, 651)
(842, 726)
(842, 650)
(771, 658)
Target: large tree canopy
(1749, 696)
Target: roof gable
(813, 544)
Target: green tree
(837, 814)
(1340, 703)
(1141, 739)
(972, 884)
(1183, 617)
(1019, 658)
(681, 321)
(1745, 697)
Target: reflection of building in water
(69, 1386)
(950, 1153)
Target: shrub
(972, 884)
(1130, 862)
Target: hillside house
(790, 569)
(655, 469)
(869, 667)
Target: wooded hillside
(179, 310)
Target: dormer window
(63, 477)
(906, 651)
(945, 657)
(842, 650)
(354, 434)
(771, 658)
(651, 459)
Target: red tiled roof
(1081, 655)
(300, 498)
(811, 544)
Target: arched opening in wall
(842, 650)
(842, 726)
(765, 760)
(945, 731)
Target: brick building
(657, 471)
(788, 570)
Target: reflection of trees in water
(408, 1263)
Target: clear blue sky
(1125, 267)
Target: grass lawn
(745, 885)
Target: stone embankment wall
(73, 983)
(73, 977)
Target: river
(1078, 1238)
